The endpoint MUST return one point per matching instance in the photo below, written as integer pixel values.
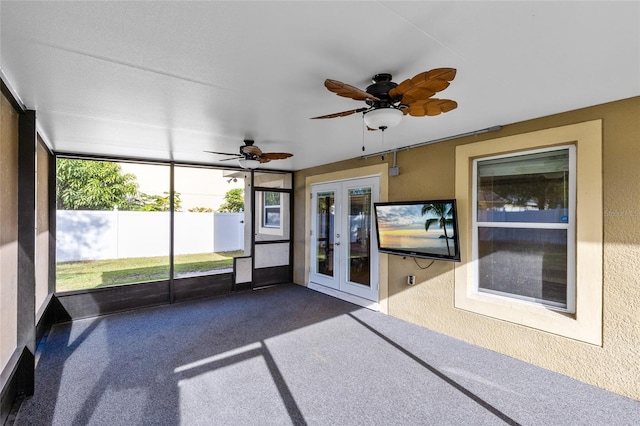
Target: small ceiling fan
(250, 156)
(388, 101)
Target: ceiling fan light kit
(247, 163)
(383, 118)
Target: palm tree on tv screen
(444, 217)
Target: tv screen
(427, 229)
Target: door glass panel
(359, 247)
(208, 220)
(325, 209)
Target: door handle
(338, 243)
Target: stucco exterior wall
(428, 172)
(42, 224)
(8, 230)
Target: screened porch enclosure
(132, 235)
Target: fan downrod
(381, 78)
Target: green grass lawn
(102, 273)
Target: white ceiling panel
(169, 80)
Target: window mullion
(532, 225)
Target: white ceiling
(168, 80)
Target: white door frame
(339, 285)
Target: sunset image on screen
(423, 228)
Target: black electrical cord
(418, 265)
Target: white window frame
(266, 208)
(270, 230)
(569, 226)
(585, 325)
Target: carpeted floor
(289, 355)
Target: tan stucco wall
(428, 172)
(8, 230)
(42, 224)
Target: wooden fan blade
(341, 114)
(348, 91)
(221, 153)
(237, 157)
(435, 80)
(415, 95)
(431, 107)
(251, 150)
(275, 155)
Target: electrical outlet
(411, 279)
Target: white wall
(94, 235)
(228, 232)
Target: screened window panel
(205, 239)
(111, 234)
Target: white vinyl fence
(94, 235)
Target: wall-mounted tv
(427, 229)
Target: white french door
(344, 254)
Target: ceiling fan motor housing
(249, 151)
(380, 88)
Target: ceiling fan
(388, 101)
(250, 156)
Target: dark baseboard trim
(202, 286)
(9, 388)
(16, 380)
(109, 300)
(89, 303)
(269, 276)
(52, 312)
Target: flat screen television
(426, 228)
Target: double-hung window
(530, 213)
(271, 210)
(523, 226)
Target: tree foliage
(93, 185)
(201, 210)
(154, 203)
(234, 201)
(101, 185)
(271, 198)
(544, 191)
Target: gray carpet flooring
(289, 355)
